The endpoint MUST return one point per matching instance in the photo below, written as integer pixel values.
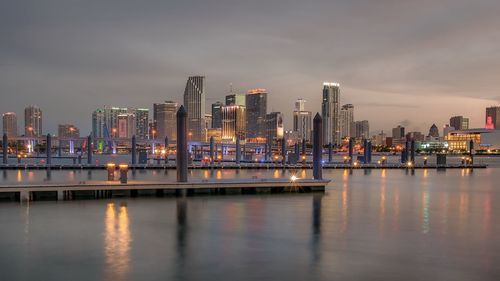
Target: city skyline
(402, 58)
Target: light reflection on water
(382, 225)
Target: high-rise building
(67, 131)
(398, 135)
(362, 129)
(416, 136)
(434, 131)
(194, 102)
(99, 123)
(142, 122)
(217, 115)
(33, 121)
(236, 99)
(274, 126)
(346, 120)
(446, 130)
(330, 113)
(126, 125)
(9, 124)
(256, 103)
(208, 121)
(459, 122)
(493, 117)
(111, 118)
(233, 123)
(302, 121)
(165, 122)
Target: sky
(413, 63)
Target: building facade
(164, 119)
(217, 114)
(493, 117)
(236, 99)
(33, 121)
(9, 120)
(330, 113)
(362, 129)
(68, 131)
(459, 122)
(346, 120)
(256, 106)
(126, 125)
(99, 123)
(275, 126)
(233, 123)
(194, 102)
(142, 122)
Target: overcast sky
(399, 62)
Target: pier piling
(182, 148)
(317, 146)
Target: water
(369, 225)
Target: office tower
(493, 117)
(142, 122)
(459, 122)
(434, 131)
(10, 124)
(33, 121)
(346, 120)
(362, 129)
(126, 125)
(208, 121)
(233, 123)
(398, 135)
(111, 118)
(99, 124)
(236, 99)
(256, 104)
(300, 105)
(417, 136)
(67, 131)
(380, 139)
(446, 130)
(274, 125)
(194, 102)
(330, 113)
(217, 115)
(165, 122)
(302, 121)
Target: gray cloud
(71, 56)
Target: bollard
(365, 151)
(48, 149)
(238, 151)
(123, 173)
(330, 152)
(89, 150)
(5, 143)
(182, 148)
(317, 146)
(134, 150)
(110, 167)
(471, 152)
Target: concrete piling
(89, 150)
(182, 146)
(5, 143)
(238, 151)
(330, 152)
(317, 146)
(166, 150)
(134, 150)
(48, 149)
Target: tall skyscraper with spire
(330, 113)
(194, 102)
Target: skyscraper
(493, 117)
(98, 123)
(330, 113)
(111, 118)
(362, 129)
(398, 135)
(302, 120)
(434, 131)
(459, 122)
(194, 102)
(164, 115)
(142, 122)
(67, 131)
(236, 99)
(274, 126)
(256, 103)
(217, 115)
(126, 125)
(33, 121)
(346, 120)
(233, 123)
(10, 124)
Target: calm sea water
(369, 225)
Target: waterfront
(369, 225)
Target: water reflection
(4, 174)
(182, 229)
(117, 242)
(316, 228)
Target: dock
(109, 189)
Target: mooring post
(265, 152)
(283, 151)
(412, 154)
(317, 146)
(5, 144)
(212, 150)
(369, 152)
(166, 150)
(238, 151)
(330, 152)
(365, 151)
(471, 152)
(48, 150)
(182, 147)
(59, 148)
(89, 150)
(351, 147)
(134, 150)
